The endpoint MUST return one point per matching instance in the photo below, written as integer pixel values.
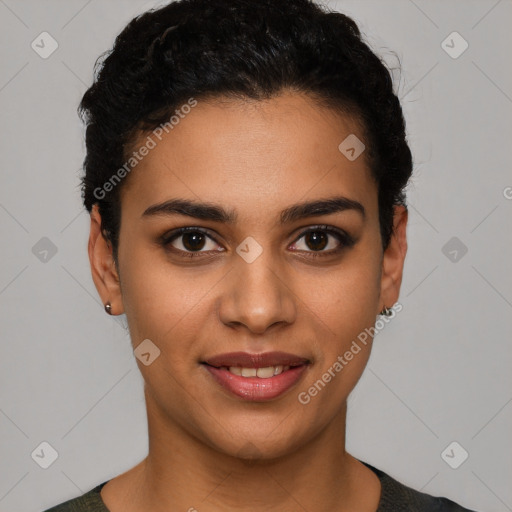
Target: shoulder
(89, 502)
(396, 497)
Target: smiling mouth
(256, 377)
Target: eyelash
(344, 238)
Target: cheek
(343, 307)
(345, 297)
(162, 302)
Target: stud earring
(108, 308)
(386, 311)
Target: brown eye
(316, 240)
(193, 241)
(322, 240)
(190, 240)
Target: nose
(257, 295)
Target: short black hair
(245, 49)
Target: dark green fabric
(89, 502)
(395, 497)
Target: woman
(245, 173)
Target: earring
(108, 308)
(386, 312)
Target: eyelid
(323, 227)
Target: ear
(103, 269)
(393, 259)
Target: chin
(264, 445)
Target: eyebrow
(212, 212)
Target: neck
(183, 473)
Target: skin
(208, 449)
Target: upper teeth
(262, 373)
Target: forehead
(242, 153)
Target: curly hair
(238, 49)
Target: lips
(256, 377)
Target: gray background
(440, 371)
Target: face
(281, 256)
